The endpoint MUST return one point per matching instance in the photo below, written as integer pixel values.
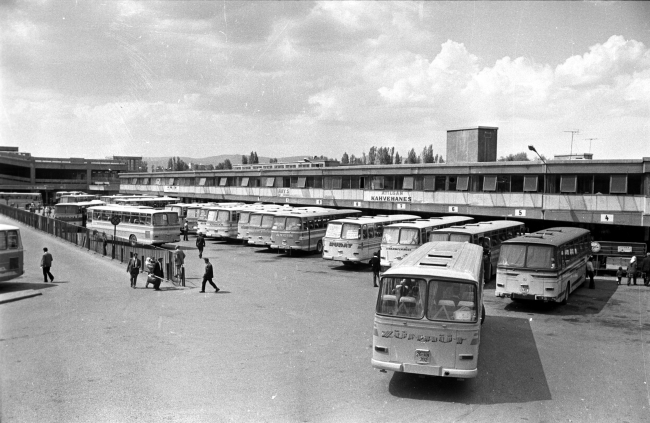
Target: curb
(15, 296)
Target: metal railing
(99, 242)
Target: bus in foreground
(143, 225)
(543, 266)
(155, 202)
(429, 312)
(489, 235)
(357, 239)
(304, 228)
(74, 213)
(21, 200)
(401, 238)
(11, 253)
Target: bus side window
(379, 230)
(371, 231)
(364, 231)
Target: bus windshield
(64, 208)
(192, 212)
(294, 224)
(165, 219)
(244, 216)
(334, 230)
(256, 220)
(223, 216)
(267, 222)
(391, 236)
(279, 223)
(409, 236)
(351, 231)
(402, 297)
(452, 301)
(8, 240)
(440, 236)
(460, 237)
(528, 256)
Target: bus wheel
(319, 247)
(133, 240)
(483, 315)
(566, 294)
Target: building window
(618, 184)
(269, 182)
(452, 183)
(568, 183)
(223, 182)
(601, 184)
(317, 182)
(635, 184)
(516, 183)
(202, 181)
(244, 181)
(134, 181)
(503, 183)
(441, 183)
(489, 183)
(302, 182)
(429, 183)
(462, 183)
(355, 182)
(377, 182)
(171, 181)
(408, 182)
(336, 182)
(530, 183)
(418, 183)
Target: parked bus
(112, 199)
(544, 266)
(260, 226)
(357, 239)
(11, 253)
(138, 224)
(76, 198)
(489, 235)
(244, 223)
(21, 200)
(429, 312)
(193, 215)
(59, 194)
(221, 221)
(204, 212)
(181, 210)
(74, 213)
(155, 202)
(401, 238)
(303, 229)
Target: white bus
(260, 226)
(357, 239)
(74, 213)
(112, 199)
(11, 253)
(401, 238)
(21, 200)
(138, 224)
(221, 221)
(489, 235)
(204, 212)
(155, 202)
(304, 228)
(194, 214)
(181, 210)
(76, 198)
(243, 224)
(59, 194)
(544, 266)
(429, 312)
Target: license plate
(422, 356)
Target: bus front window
(243, 217)
(438, 237)
(334, 230)
(160, 219)
(452, 301)
(512, 255)
(391, 236)
(223, 216)
(267, 222)
(256, 220)
(293, 224)
(402, 297)
(459, 237)
(539, 257)
(409, 236)
(172, 218)
(279, 223)
(351, 231)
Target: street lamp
(532, 148)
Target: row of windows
(158, 219)
(566, 184)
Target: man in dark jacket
(158, 273)
(200, 243)
(207, 276)
(133, 268)
(645, 268)
(46, 264)
(376, 267)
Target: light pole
(532, 148)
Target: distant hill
(214, 160)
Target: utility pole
(590, 140)
(573, 132)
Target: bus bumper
(424, 370)
(532, 297)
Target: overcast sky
(101, 78)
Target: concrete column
(32, 173)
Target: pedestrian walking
(375, 263)
(207, 276)
(631, 270)
(590, 273)
(149, 266)
(186, 229)
(200, 243)
(158, 274)
(133, 268)
(46, 264)
(645, 269)
(619, 275)
(179, 260)
(31, 207)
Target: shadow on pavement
(361, 267)
(581, 301)
(7, 287)
(508, 372)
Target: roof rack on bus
(553, 230)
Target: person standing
(631, 270)
(200, 243)
(46, 264)
(158, 274)
(645, 269)
(375, 263)
(179, 260)
(619, 275)
(207, 276)
(186, 229)
(133, 268)
(590, 273)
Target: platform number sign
(401, 206)
(520, 212)
(319, 202)
(607, 218)
(453, 209)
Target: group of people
(154, 270)
(634, 270)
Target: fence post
(183, 275)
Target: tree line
(386, 155)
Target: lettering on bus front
(340, 244)
(402, 334)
